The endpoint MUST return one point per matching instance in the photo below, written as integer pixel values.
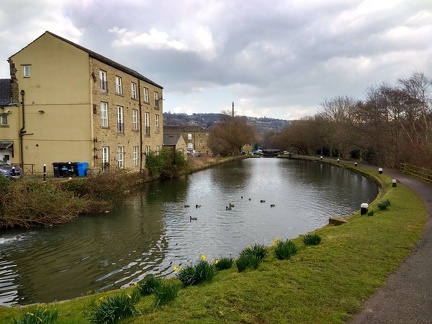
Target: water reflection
(153, 231)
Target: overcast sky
(278, 59)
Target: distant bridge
(270, 152)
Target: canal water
(173, 222)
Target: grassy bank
(320, 284)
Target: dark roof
(171, 140)
(102, 59)
(5, 92)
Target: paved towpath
(407, 296)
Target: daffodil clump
(251, 257)
(285, 249)
(148, 285)
(311, 239)
(195, 274)
(115, 307)
(223, 263)
(38, 315)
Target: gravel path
(407, 296)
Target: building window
(118, 83)
(157, 149)
(135, 119)
(103, 81)
(104, 114)
(146, 95)
(147, 150)
(26, 71)
(105, 157)
(133, 90)
(157, 123)
(189, 137)
(135, 156)
(4, 120)
(156, 100)
(120, 157)
(120, 120)
(147, 123)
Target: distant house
(175, 142)
(196, 138)
(6, 146)
(77, 105)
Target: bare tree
(335, 123)
(229, 135)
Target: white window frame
(104, 114)
(26, 71)
(120, 157)
(120, 120)
(146, 95)
(4, 119)
(157, 149)
(135, 119)
(118, 83)
(105, 156)
(135, 156)
(157, 123)
(147, 150)
(147, 123)
(156, 100)
(133, 90)
(103, 80)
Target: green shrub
(115, 307)
(223, 263)
(148, 285)
(382, 205)
(257, 250)
(195, 274)
(166, 163)
(243, 262)
(311, 239)
(38, 315)
(285, 249)
(251, 257)
(165, 293)
(370, 213)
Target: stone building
(77, 105)
(195, 137)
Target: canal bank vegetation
(322, 283)
(31, 202)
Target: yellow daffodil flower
(216, 261)
(203, 257)
(176, 268)
(129, 296)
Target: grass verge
(325, 283)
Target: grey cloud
(274, 54)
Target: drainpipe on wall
(22, 131)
